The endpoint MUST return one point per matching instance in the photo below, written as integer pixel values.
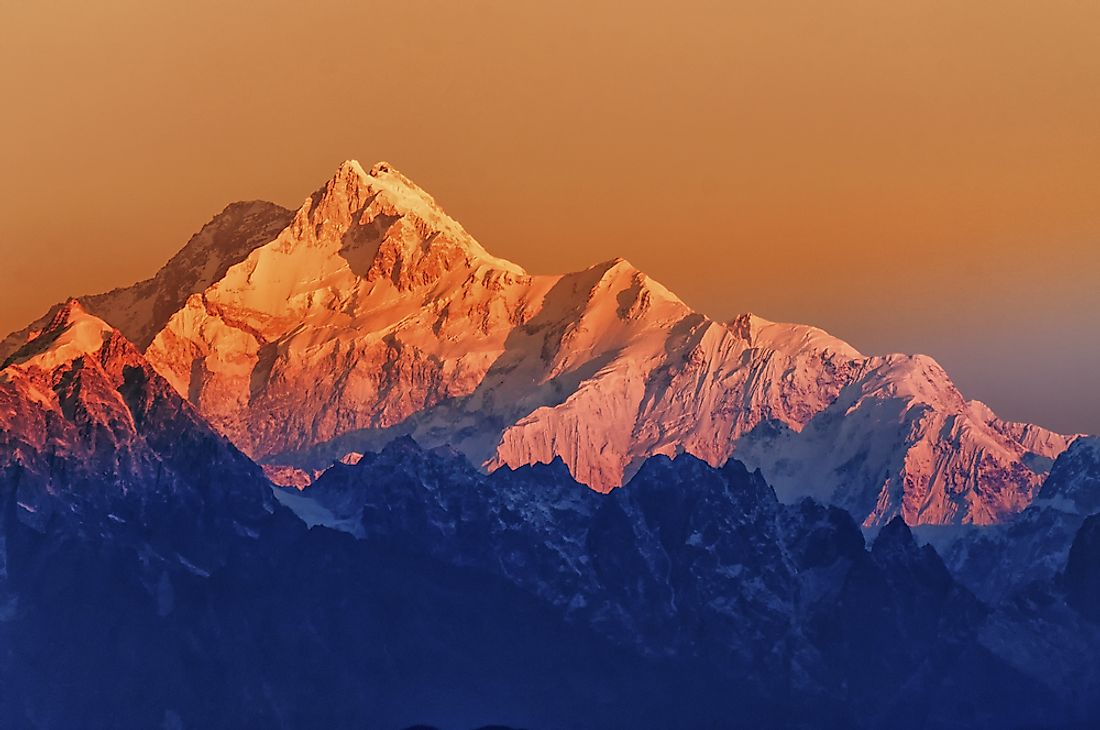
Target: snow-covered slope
(374, 314)
(900, 439)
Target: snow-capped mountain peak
(389, 225)
(72, 333)
(370, 313)
(789, 338)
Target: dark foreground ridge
(691, 597)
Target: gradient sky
(912, 176)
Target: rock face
(998, 560)
(94, 442)
(704, 567)
(1082, 576)
(1074, 481)
(373, 314)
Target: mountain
(94, 441)
(141, 310)
(373, 314)
(997, 560)
(149, 579)
(150, 573)
(703, 567)
(1082, 576)
(1074, 482)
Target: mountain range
(341, 467)
(314, 336)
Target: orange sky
(914, 176)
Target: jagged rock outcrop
(1082, 577)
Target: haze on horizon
(918, 178)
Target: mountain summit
(94, 441)
(71, 333)
(387, 227)
(370, 314)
